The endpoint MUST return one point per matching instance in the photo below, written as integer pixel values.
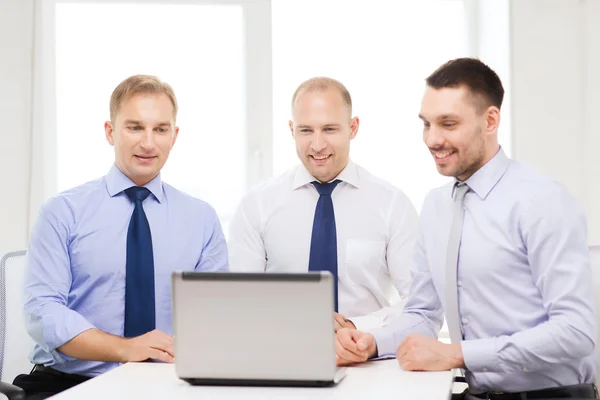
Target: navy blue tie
(139, 279)
(323, 244)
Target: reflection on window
(197, 49)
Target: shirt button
(524, 369)
(459, 283)
(485, 369)
(465, 321)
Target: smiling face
(460, 133)
(143, 133)
(322, 127)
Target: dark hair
(480, 79)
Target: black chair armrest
(11, 391)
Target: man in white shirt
(330, 214)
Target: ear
(291, 125)
(354, 127)
(492, 120)
(108, 131)
(176, 133)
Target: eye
(448, 124)
(135, 128)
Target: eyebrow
(136, 122)
(310, 127)
(132, 122)
(441, 117)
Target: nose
(147, 142)
(433, 137)
(318, 143)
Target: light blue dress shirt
(75, 277)
(524, 281)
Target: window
(382, 51)
(198, 49)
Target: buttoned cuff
(384, 338)
(481, 355)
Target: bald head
(322, 84)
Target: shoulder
(187, 204)
(66, 205)
(382, 190)
(538, 191)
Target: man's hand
(341, 322)
(155, 344)
(420, 353)
(352, 346)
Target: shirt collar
(117, 182)
(485, 178)
(349, 175)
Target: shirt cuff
(366, 323)
(59, 328)
(481, 355)
(384, 338)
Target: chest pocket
(365, 260)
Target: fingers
(339, 321)
(406, 345)
(347, 339)
(340, 362)
(161, 355)
(364, 343)
(346, 346)
(163, 342)
(348, 356)
(337, 326)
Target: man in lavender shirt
(520, 305)
(90, 266)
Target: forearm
(537, 348)
(95, 345)
(379, 318)
(389, 338)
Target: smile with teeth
(316, 157)
(442, 154)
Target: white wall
(553, 55)
(555, 59)
(16, 45)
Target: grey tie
(458, 213)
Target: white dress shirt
(524, 281)
(376, 229)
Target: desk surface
(373, 380)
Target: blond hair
(321, 84)
(140, 84)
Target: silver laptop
(254, 329)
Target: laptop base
(256, 382)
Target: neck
(332, 176)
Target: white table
(370, 381)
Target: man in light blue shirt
(94, 267)
(508, 264)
